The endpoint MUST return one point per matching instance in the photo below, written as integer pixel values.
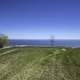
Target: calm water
(66, 43)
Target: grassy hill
(35, 63)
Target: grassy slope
(40, 64)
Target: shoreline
(37, 46)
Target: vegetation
(3, 40)
(35, 63)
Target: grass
(36, 63)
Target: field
(36, 63)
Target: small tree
(3, 40)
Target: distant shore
(36, 46)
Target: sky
(40, 19)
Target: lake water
(66, 43)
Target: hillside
(35, 63)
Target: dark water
(65, 43)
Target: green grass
(35, 63)
(2, 50)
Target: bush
(3, 40)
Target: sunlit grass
(35, 63)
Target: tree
(3, 40)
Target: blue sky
(24, 19)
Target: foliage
(3, 39)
